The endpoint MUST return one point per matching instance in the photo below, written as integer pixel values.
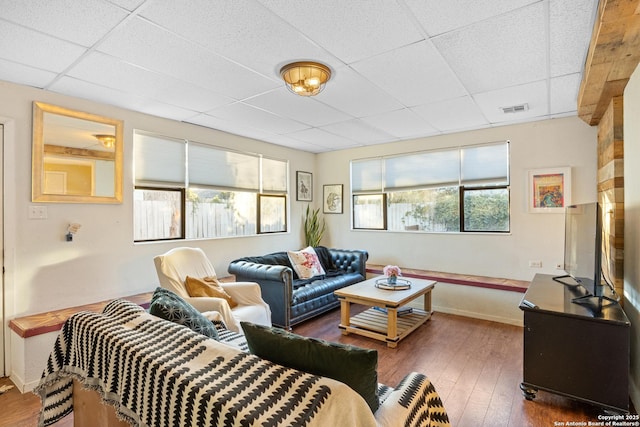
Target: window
(188, 190)
(158, 214)
(451, 190)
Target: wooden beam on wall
(614, 53)
(80, 153)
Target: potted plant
(314, 228)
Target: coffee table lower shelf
(373, 323)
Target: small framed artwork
(549, 190)
(332, 199)
(304, 186)
(272, 214)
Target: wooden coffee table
(376, 324)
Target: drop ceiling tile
(570, 25)
(452, 114)
(351, 93)
(231, 126)
(564, 94)
(82, 89)
(359, 131)
(111, 72)
(178, 60)
(323, 139)
(414, 74)
(303, 109)
(149, 46)
(128, 4)
(297, 144)
(533, 94)
(437, 16)
(351, 30)
(245, 32)
(217, 123)
(244, 114)
(401, 124)
(25, 75)
(34, 49)
(82, 22)
(503, 51)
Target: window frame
(183, 208)
(463, 189)
(265, 186)
(383, 201)
(262, 197)
(369, 176)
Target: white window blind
(211, 166)
(274, 175)
(420, 170)
(485, 165)
(366, 175)
(159, 160)
(477, 165)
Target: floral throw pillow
(306, 263)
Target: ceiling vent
(515, 108)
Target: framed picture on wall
(304, 186)
(332, 199)
(549, 190)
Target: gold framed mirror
(77, 156)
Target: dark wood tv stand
(576, 350)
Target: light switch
(37, 212)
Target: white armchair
(173, 268)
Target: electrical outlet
(535, 264)
(37, 212)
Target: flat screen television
(584, 248)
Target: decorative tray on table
(399, 285)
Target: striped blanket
(157, 373)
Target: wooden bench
(459, 279)
(51, 321)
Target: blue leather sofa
(292, 299)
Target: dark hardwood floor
(475, 365)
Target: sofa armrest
(246, 271)
(415, 398)
(276, 284)
(350, 260)
(247, 293)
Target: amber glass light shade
(305, 78)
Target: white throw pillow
(306, 263)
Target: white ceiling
(401, 68)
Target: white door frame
(2, 298)
(7, 239)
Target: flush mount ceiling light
(107, 141)
(305, 78)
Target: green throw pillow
(170, 306)
(356, 367)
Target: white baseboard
(21, 385)
(483, 316)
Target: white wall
(44, 272)
(534, 236)
(632, 225)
